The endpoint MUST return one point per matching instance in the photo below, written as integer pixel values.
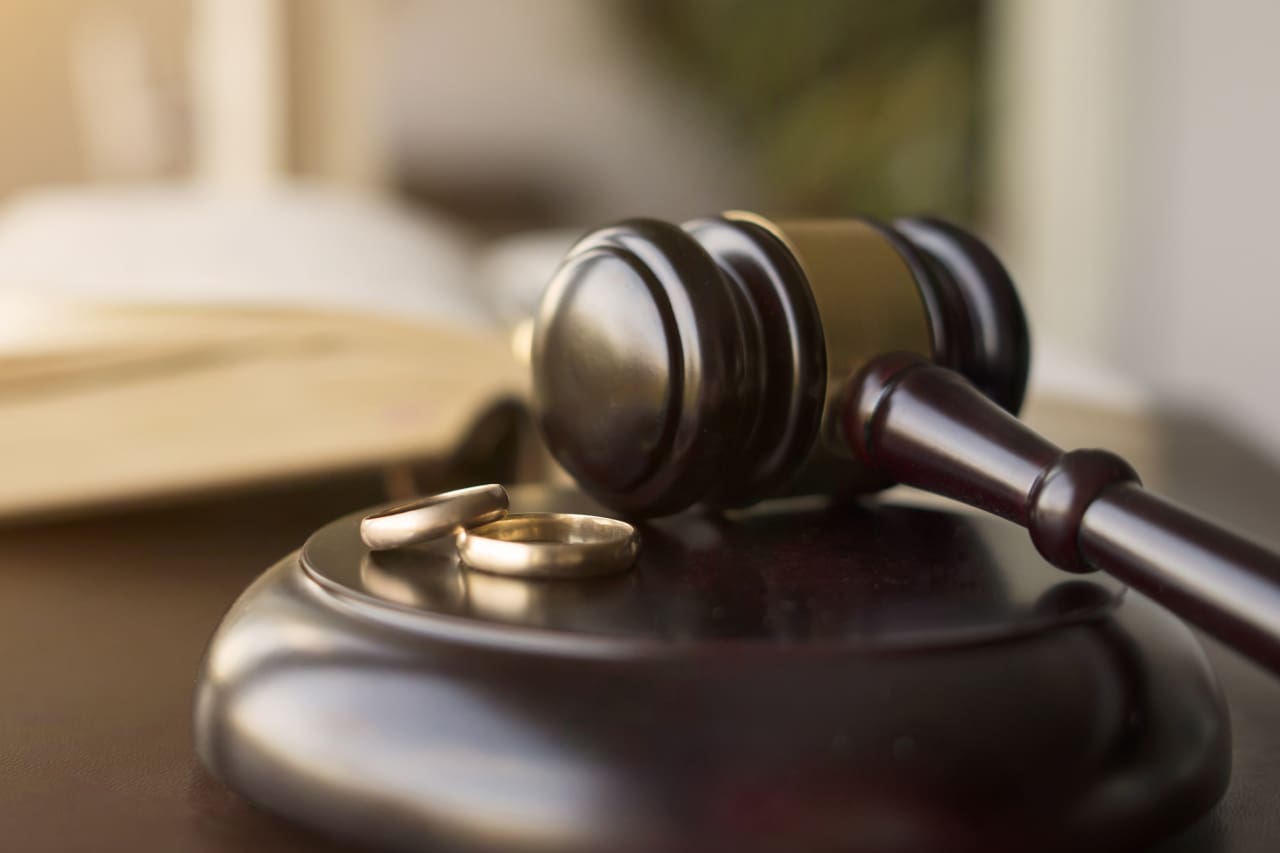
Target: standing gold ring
(433, 517)
(549, 545)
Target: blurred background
(340, 163)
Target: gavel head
(676, 365)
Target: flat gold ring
(549, 545)
(433, 517)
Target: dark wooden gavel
(733, 358)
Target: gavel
(733, 358)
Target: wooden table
(104, 620)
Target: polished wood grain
(689, 364)
(103, 632)
(928, 427)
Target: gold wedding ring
(433, 517)
(549, 545)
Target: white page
(296, 246)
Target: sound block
(799, 676)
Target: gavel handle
(925, 426)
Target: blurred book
(163, 341)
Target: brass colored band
(549, 545)
(867, 297)
(432, 517)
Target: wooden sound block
(795, 677)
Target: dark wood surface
(692, 364)
(784, 679)
(103, 625)
(929, 427)
(104, 622)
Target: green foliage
(842, 105)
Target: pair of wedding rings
(488, 538)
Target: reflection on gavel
(732, 358)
